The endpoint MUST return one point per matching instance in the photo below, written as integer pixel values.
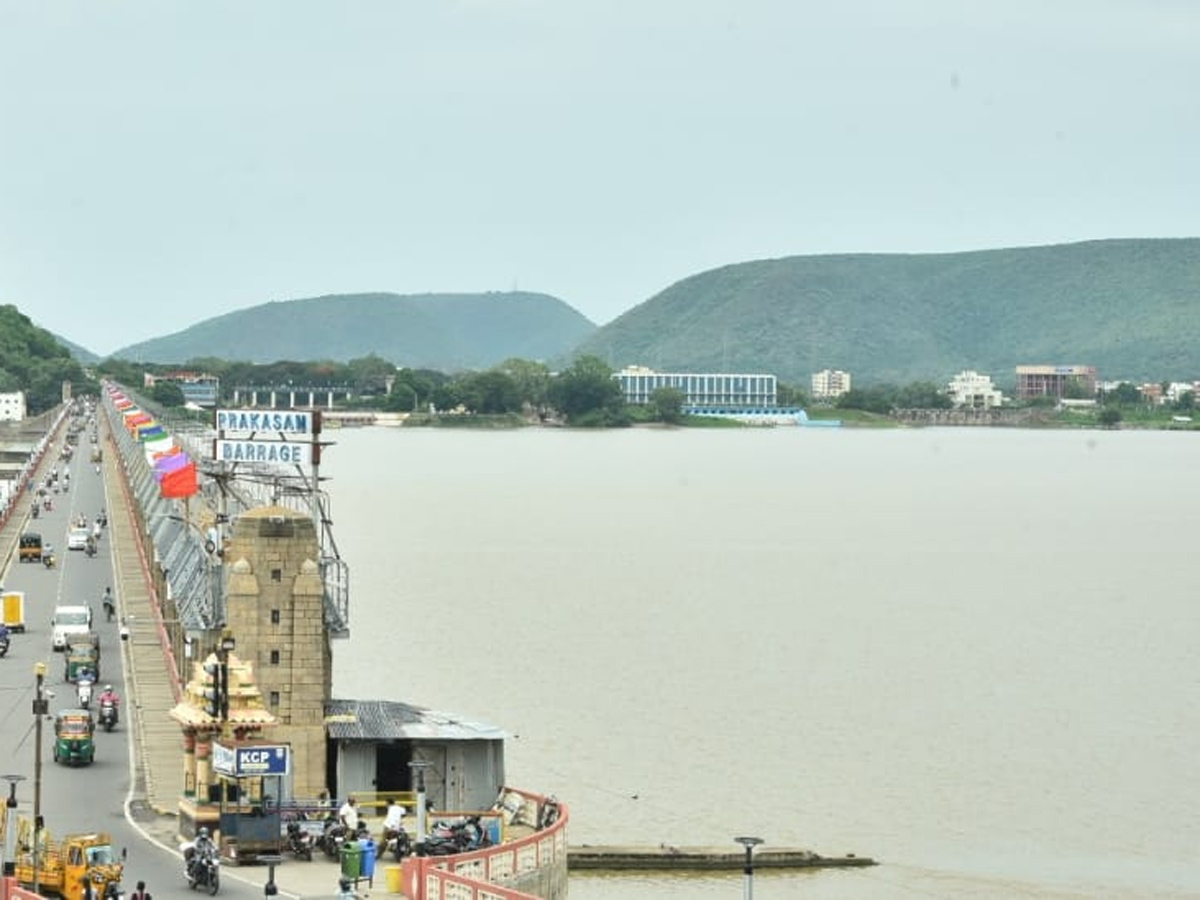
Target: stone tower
(274, 608)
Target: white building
(699, 389)
(830, 384)
(974, 391)
(12, 407)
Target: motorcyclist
(205, 846)
(4, 634)
(108, 695)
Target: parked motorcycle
(108, 715)
(398, 843)
(332, 837)
(448, 838)
(299, 842)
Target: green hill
(1129, 307)
(447, 332)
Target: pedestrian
(140, 893)
(348, 815)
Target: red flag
(180, 483)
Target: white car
(69, 620)
(77, 539)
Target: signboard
(278, 422)
(278, 452)
(257, 759)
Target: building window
(275, 698)
(274, 617)
(274, 657)
(277, 574)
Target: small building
(373, 745)
(199, 389)
(830, 384)
(1056, 381)
(12, 407)
(971, 390)
(699, 389)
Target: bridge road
(107, 795)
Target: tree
(668, 404)
(586, 393)
(1109, 416)
(874, 399)
(168, 393)
(791, 395)
(531, 378)
(1124, 394)
(490, 393)
(1186, 401)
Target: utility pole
(41, 707)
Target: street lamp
(419, 766)
(749, 843)
(10, 825)
(41, 708)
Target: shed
(372, 742)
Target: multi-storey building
(202, 390)
(974, 391)
(830, 384)
(12, 407)
(701, 389)
(1056, 381)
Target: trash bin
(351, 860)
(367, 867)
(393, 879)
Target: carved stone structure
(273, 600)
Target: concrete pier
(617, 858)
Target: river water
(967, 653)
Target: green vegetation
(32, 360)
(450, 332)
(1127, 307)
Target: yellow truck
(65, 866)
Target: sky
(164, 162)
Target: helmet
(108, 687)
(203, 832)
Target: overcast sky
(165, 162)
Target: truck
(64, 866)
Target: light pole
(419, 767)
(10, 825)
(749, 843)
(41, 708)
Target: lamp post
(419, 766)
(10, 825)
(749, 843)
(41, 708)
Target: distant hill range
(446, 332)
(1129, 307)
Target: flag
(180, 483)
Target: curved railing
(539, 858)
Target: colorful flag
(180, 483)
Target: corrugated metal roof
(381, 720)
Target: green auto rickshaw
(74, 737)
(83, 655)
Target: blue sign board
(258, 759)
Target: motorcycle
(108, 715)
(3, 645)
(202, 870)
(83, 692)
(332, 837)
(35, 511)
(446, 838)
(48, 559)
(299, 842)
(398, 843)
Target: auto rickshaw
(74, 737)
(83, 653)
